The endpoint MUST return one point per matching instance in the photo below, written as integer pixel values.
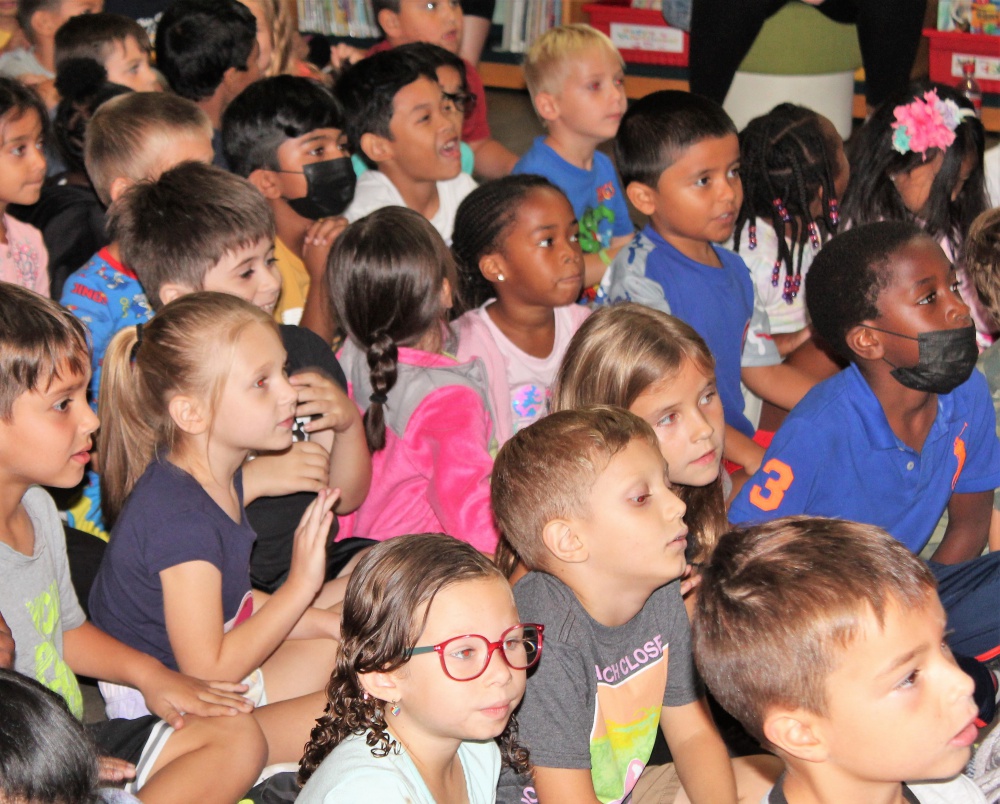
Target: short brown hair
(38, 340)
(94, 36)
(177, 228)
(546, 471)
(982, 258)
(780, 602)
(546, 60)
(125, 135)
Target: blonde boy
(130, 138)
(576, 78)
(826, 639)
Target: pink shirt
(24, 260)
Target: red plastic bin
(950, 48)
(640, 34)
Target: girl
(919, 158)
(794, 170)
(427, 417)
(521, 269)
(192, 393)
(404, 724)
(659, 368)
(23, 258)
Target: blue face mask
(329, 189)
(946, 359)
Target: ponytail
(383, 357)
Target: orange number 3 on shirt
(781, 477)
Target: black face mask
(329, 189)
(946, 360)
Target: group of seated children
(387, 499)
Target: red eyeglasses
(464, 658)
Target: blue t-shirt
(718, 303)
(168, 519)
(595, 194)
(836, 456)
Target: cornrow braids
(481, 223)
(786, 158)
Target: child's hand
(170, 695)
(317, 244)
(321, 397)
(6, 646)
(690, 579)
(343, 55)
(111, 770)
(308, 567)
(304, 466)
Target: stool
(802, 57)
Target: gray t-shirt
(38, 601)
(594, 700)
(15, 63)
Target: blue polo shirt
(836, 456)
(718, 303)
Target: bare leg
(287, 725)
(754, 777)
(299, 667)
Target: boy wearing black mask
(284, 135)
(907, 431)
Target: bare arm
(968, 527)
(317, 314)
(780, 384)
(493, 160)
(742, 450)
(558, 785)
(699, 753)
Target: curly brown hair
(380, 625)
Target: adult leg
(722, 33)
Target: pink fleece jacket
(434, 473)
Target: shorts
(138, 741)
(121, 702)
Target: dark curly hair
(481, 224)
(387, 590)
(848, 276)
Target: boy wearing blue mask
(907, 431)
(284, 135)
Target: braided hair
(786, 158)
(481, 225)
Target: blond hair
(981, 258)
(126, 135)
(546, 60)
(188, 348)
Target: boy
(582, 498)
(46, 432)
(130, 138)
(117, 43)
(438, 23)
(904, 432)
(679, 157)
(398, 119)
(576, 78)
(207, 50)
(228, 247)
(284, 135)
(842, 670)
(40, 19)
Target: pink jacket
(434, 473)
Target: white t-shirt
(374, 191)
(960, 790)
(351, 775)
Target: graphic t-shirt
(24, 260)
(38, 601)
(594, 700)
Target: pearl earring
(499, 277)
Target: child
(583, 497)
(40, 19)
(398, 119)
(402, 722)
(228, 247)
(981, 260)
(175, 580)
(11, 35)
(129, 139)
(427, 417)
(207, 51)
(657, 367)
(46, 429)
(521, 269)
(576, 78)
(284, 135)
(794, 171)
(906, 411)
(24, 260)
(117, 43)
(843, 670)
(919, 158)
(679, 157)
